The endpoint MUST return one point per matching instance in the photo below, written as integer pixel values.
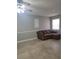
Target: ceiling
(43, 7)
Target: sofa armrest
(40, 35)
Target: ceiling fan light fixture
(20, 8)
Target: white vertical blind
(55, 24)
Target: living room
(29, 22)
(27, 28)
(38, 27)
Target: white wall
(44, 23)
(26, 25)
(25, 22)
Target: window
(55, 24)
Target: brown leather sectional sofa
(48, 34)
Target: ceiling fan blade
(26, 3)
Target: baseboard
(26, 40)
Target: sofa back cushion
(47, 31)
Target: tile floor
(37, 49)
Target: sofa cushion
(50, 34)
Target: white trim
(30, 31)
(26, 40)
(54, 14)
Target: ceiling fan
(22, 6)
